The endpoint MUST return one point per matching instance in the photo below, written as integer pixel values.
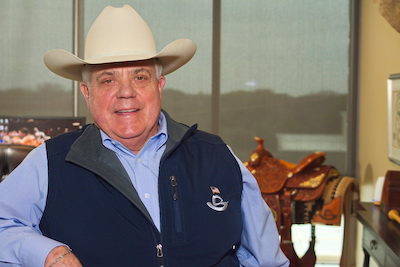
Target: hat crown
(117, 32)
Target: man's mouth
(124, 111)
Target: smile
(126, 111)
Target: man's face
(125, 101)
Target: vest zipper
(160, 255)
(174, 184)
(177, 211)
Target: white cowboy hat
(119, 35)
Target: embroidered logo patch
(217, 203)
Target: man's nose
(126, 90)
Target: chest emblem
(217, 203)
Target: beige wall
(379, 57)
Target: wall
(379, 57)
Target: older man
(135, 188)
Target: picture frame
(393, 84)
(33, 131)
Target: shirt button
(139, 160)
(147, 195)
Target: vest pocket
(176, 205)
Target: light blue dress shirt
(23, 200)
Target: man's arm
(22, 201)
(260, 239)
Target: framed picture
(394, 117)
(33, 131)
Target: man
(135, 188)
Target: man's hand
(68, 260)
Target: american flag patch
(215, 190)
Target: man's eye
(108, 81)
(140, 78)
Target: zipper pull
(174, 184)
(160, 254)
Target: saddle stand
(306, 192)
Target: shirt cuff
(35, 248)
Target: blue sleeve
(22, 201)
(260, 238)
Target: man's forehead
(134, 65)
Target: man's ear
(85, 91)
(161, 84)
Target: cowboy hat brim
(172, 57)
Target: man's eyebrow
(106, 73)
(136, 71)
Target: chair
(11, 155)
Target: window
(29, 29)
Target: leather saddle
(294, 193)
(304, 181)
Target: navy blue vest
(92, 206)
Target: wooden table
(381, 236)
